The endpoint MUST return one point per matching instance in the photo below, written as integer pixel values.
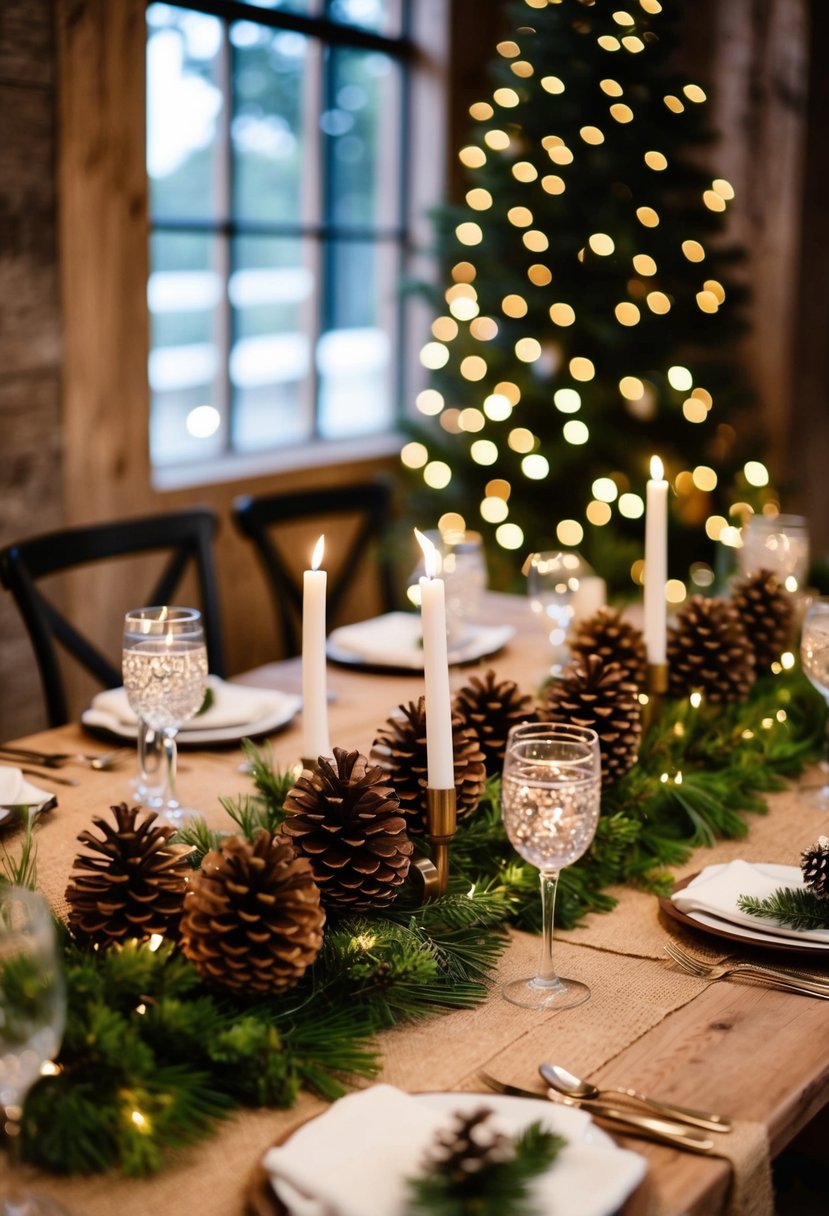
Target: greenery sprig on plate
(790, 906)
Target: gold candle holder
(656, 689)
(433, 876)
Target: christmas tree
(587, 321)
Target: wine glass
(554, 578)
(164, 664)
(814, 655)
(779, 543)
(550, 798)
(32, 1013)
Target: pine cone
(132, 885)
(604, 699)
(468, 1146)
(614, 640)
(400, 748)
(709, 653)
(766, 610)
(348, 823)
(490, 707)
(252, 919)
(814, 863)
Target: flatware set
(100, 762)
(787, 980)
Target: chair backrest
(259, 519)
(186, 535)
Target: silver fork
(790, 981)
(100, 761)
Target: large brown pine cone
(490, 707)
(347, 822)
(252, 918)
(614, 640)
(131, 884)
(604, 699)
(400, 748)
(766, 610)
(709, 653)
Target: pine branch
(790, 906)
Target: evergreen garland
(790, 906)
(121, 1096)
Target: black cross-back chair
(259, 519)
(187, 535)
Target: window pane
(356, 390)
(272, 296)
(184, 108)
(362, 133)
(186, 302)
(267, 131)
(381, 16)
(287, 6)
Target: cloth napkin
(233, 705)
(716, 888)
(15, 790)
(396, 640)
(355, 1159)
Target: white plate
(280, 708)
(741, 926)
(394, 641)
(591, 1176)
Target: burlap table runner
(619, 955)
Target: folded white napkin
(715, 891)
(15, 790)
(233, 705)
(396, 640)
(355, 1159)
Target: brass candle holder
(433, 876)
(656, 690)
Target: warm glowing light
(472, 156)
(494, 510)
(756, 473)
(694, 93)
(575, 431)
(479, 199)
(481, 111)
(508, 49)
(693, 251)
(621, 112)
(673, 103)
(465, 308)
(539, 275)
(528, 350)
(707, 302)
(608, 43)
(651, 6)
(704, 478)
(483, 451)
(444, 329)
(716, 288)
(631, 387)
(522, 68)
(509, 536)
(535, 240)
(414, 455)
(553, 184)
(496, 139)
(138, 1119)
(605, 489)
(509, 390)
(656, 160)
(695, 699)
(497, 407)
(633, 44)
(567, 400)
(560, 155)
(508, 98)
(562, 314)
(498, 488)
(437, 474)
(523, 171)
(521, 440)
(702, 574)
(637, 572)
(434, 355)
(598, 513)
(521, 217)
(675, 591)
(484, 329)
(469, 233)
(694, 410)
(611, 87)
(622, 18)
(203, 421)
(464, 272)
(581, 368)
(601, 243)
(658, 302)
(514, 306)
(535, 466)
(471, 420)
(680, 378)
(647, 216)
(627, 313)
(473, 367)
(569, 532)
(631, 506)
(723, 188)
(713, 201)
(787, 660)
(552, 84)
(429, 402)
(591, 135)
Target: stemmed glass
(814, 654)
(553, 579)
(164, 665)
(550, 798)
(32, 1013)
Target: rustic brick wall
(30, 423)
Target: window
(276, 140)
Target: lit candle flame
(431, 559)
(319, 549)
(657, 469)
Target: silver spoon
(564, 1082)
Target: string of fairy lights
(495, 418)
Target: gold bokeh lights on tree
(542, 326)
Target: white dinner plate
(394, 642)
(274, 710)
(591, 1176)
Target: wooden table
(757, 1054)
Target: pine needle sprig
(790, 906)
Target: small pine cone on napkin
(814, 863)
